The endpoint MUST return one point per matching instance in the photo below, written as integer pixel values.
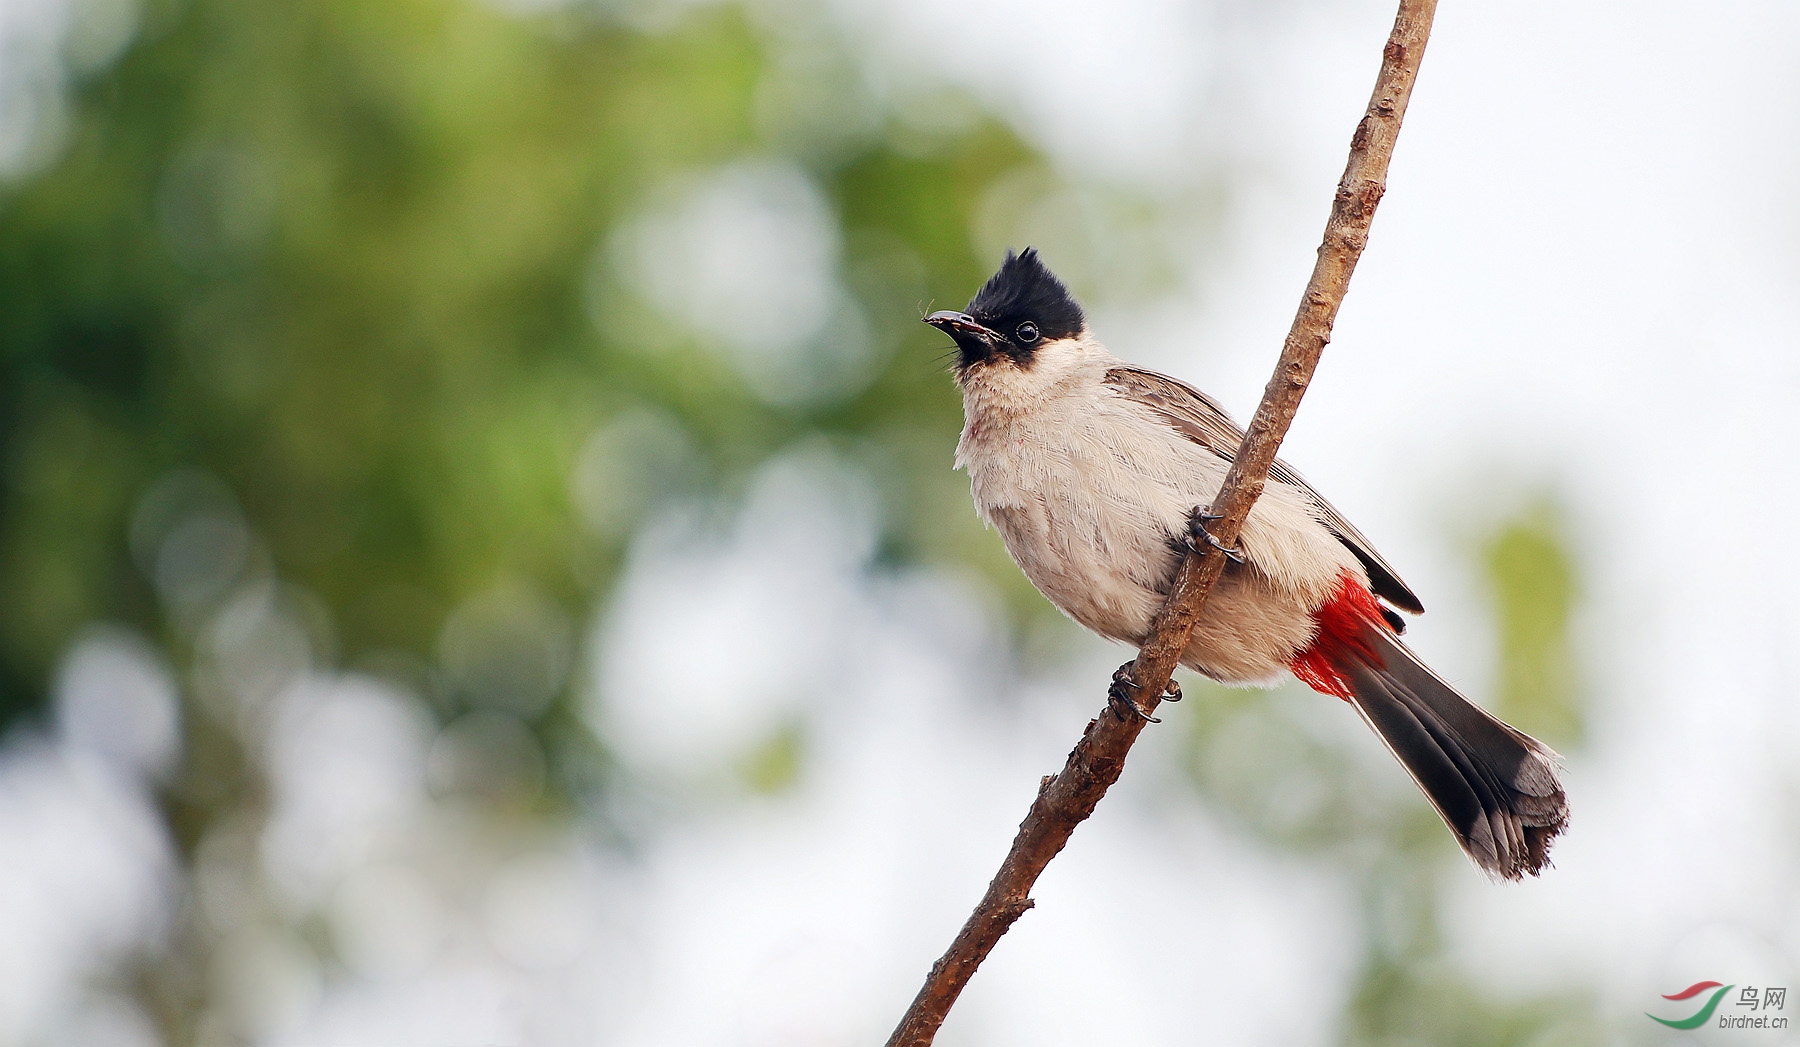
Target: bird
(1096, 473)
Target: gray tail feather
(1496, 787)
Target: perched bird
(1096, 474)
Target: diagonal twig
(1065, 800)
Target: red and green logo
(1699, 1017)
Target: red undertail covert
(1344, 621)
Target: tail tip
(1534, 857)
(1536, 823)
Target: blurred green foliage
(1431, 1005)
(775, 765)
(1532, 578)
(326, 295)
(342, 256)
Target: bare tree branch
(1065, 800)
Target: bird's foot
(1198, 536)
(1121, 696)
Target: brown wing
(1200, 418)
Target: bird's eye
(1027, 332)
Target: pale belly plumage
(1092, 500)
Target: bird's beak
(975, 341)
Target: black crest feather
(1026, 289)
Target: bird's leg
(1121, 696)
(1198, 535)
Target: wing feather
(1200, 418)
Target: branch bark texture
(1066, 799)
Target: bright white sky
(1582, 279)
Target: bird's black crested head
(1025, 291)
(1017, 310)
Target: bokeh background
(480, 561)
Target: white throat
(998, 389)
